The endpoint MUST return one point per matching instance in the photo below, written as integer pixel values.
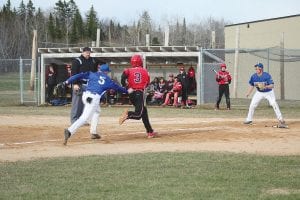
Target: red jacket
(223, 77)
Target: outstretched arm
(249, 90)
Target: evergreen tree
(92, 24)
(77, 34)
(51, 28)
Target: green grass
(153, 176)
(11, 81)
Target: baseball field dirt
(33, 137)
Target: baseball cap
(104, 68)
(86, 49)
(260, 65)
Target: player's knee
(272, 103)
(253, 106)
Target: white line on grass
(41, 141)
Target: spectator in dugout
(184, 80)
(159, 92)
(170, 83)
(151, 88)
(175, 93)
(51, 74)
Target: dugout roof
(121, 55)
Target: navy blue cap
(260, 65)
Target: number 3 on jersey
(137, 77)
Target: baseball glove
(261, 86)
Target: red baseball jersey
(223, 77)
(137, 77)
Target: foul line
(56, 140)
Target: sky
(164, 11)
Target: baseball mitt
(261, 86)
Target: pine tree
(92, 24)
(51, 28)
(77, 34)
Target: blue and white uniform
(98, 84)
(266, 93)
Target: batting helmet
(136, 61)
(223, 65)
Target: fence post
(236, 61)
(200, 83)
(38, 81)
(21, 80)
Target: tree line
(64, 26)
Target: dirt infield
(32, 137)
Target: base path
(33, 137)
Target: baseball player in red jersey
(137, 79)
(223, 79)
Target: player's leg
(270, 96)
(257, 97)
(226, 91)
(87, 113)
(95, 118)
(167, 99)
(219, 98)
(175, 101)
(138, 101)
(146, 122)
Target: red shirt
(138, 78)
(223, 77)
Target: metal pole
(200, 83)
(21, 80)
(198, 78)
(282, 95)
(236, 61)
(42, 83)
(39, 81)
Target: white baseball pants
(91, 113)
(258, 96)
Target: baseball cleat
(95, 136)
(123, 117)
(67, 136)
(151, 135)
(248, 122)
(282, 124)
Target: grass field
(154, 176)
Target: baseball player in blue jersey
(264, 84)
(98, 83)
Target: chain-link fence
(282, 64)
(16, 87)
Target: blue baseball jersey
(98, 82)
(265, 79)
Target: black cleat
(95, 136)
(67, 136)
(248, 122)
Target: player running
(264, 85)
(137, 79)
(98, 83)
